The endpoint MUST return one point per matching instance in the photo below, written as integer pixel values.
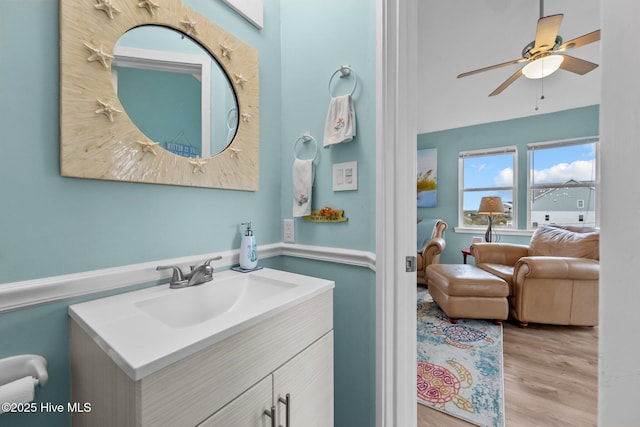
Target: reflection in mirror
(98, 139)
(174, 91)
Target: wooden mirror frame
(98, 140)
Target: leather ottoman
(465, 291)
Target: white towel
(340, 125)
(302, 183)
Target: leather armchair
(429, 251)
(553, 280)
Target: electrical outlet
(289, 234)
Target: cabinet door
(247, 410)
(308, 379)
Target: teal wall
(568, 124)
(52, 225)
(317, 38)
(354, 346)
(339, 32)
(43, 330)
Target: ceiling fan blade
(580, 41)
(577, 65)
(507, 82)
(493, 67)
(546, 33)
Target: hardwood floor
(550, 375)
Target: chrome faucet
(197, 275)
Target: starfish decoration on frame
(240, 80)
(198, 164)
(234, 152)
(246, 117)
(107, 7)
(189, 26)
(149, 6)
(148, 146)
(98, 54)
(226, 50)
(107, 109)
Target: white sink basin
(189, 306)
(146, 330)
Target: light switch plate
(345, 176)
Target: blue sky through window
(492, 171)
(561, 164)
(551, 165)
(488, 171)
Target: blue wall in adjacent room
(562, 125)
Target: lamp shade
(542, 67)
(491, 206)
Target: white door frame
(396, 140)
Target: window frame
(485, 152)
(531, 147)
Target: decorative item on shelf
(326, 214)
(490, 206)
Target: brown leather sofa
(429, 248)
(553, 280)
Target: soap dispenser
(248, 250)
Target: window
(562, 183)
(490, 172)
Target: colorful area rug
(460, 368)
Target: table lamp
(490, 206)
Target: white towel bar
(306, 137)
(345, 71)
(16, 367)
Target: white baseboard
(28, 293)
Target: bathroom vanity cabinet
(308, 381)
(230, 383)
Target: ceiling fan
(545, 54)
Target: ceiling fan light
(542, 67)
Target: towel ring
(345, 71)
(305, 138)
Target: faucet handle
(207, 262)
(208, 267)
(177, 273)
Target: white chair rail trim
(29, 293)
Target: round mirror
(174, 91)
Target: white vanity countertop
(141, 343)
